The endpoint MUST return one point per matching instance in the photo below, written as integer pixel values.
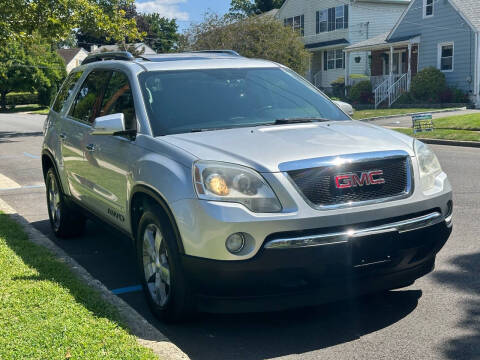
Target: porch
(392, 65)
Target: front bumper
(276, 279)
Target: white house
(328, 26)
(140, 47)
(72, 57)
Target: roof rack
(111, 55)
(229, 52)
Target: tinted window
(66, 90)
(89, 97)
(119, 99)
(189, 100)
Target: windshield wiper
(299, 120)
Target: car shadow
(8, 136)
(106, 255)
(465, 279)
(271, 335)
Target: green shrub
(338, 87)
(428, 85)
(405, 98)
(359, 76)
(459, 96)
(46, 95)
(361, 93)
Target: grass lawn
(46, 312)
(461, 122)
(445, 134)
(364, 114)
(33, 109)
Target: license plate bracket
(374, 249)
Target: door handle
(62, 136)
(91, 147)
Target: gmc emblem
(347, 181)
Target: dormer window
(427, 8)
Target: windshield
(200, 100)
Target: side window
(87, 103)
(119, 99)
(66, 90)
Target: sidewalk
(403, 121)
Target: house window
(339, 17)
(333, 59)
(322, 21)
(297, 23)
(427, 8)
(332, 19)
(445, 56)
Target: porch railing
(397, 89)
(317, 79)
(381, 92)
(391, 88)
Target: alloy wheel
(53, 198)
(156, 265)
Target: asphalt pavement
(436, 318)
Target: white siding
(76, 61)
(367, 21)
(380, 17)
(309, 9)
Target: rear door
(76, 125)
(111, 158)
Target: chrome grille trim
(351, 158)
(346, 236)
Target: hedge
(22, 99)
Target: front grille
(319, 187)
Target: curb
(474, 144)
(147, 335)
(410, 114)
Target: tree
(29, 65)
(161, 33)
(243, 8)
(55, 19)
(255, 37)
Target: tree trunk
(3, 100)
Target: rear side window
(118, 98)
(66, 90)
(89, 97)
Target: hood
(264, 148)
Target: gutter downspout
(477, 71)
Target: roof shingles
(470, 10)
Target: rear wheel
(161, 273)
(65, 221)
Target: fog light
(235, 243)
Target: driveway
(436, 318)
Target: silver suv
(243, 187)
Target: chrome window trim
(346, 236)
(350, 158)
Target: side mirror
(109, 125)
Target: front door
(76, 126)
(109, 160)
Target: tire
(161, 274)
(65, 221)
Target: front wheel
(161, 273)
(65, 221)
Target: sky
(184, 11)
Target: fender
(144, 189)
(46, 152)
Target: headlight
(234, 183)
(429, 165)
